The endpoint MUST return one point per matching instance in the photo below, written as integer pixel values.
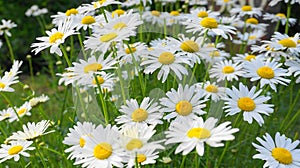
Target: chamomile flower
(144, 157)
(101, 149)
(249, 38)
(21, 111)
(267, 72)
(76, 137)
(285, 43)
(7, 113)
(147, 112)
(294, 68)
(37, 100)
(10, 77)
(84, 22)
(183, 103)
(215, 55)
(105, 81)
(211, 90)
(6, 26)
(63, 16)
(211, 27)
(155, 17)
(191, 47)
(199, 13)
(166, 61)
(14, 150)
(279, 17)
(193, 133)
(246, 10)
(31, 131)
(226, 70)
(247, 57)
(134, 50)
(268, 51)
(55, 37)
(249, 102)
(279, 152)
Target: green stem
(82, 104)
(11, 53)
(289, 7)
(39, 153)
(292, 120)
(103, 104)
(277, 26)
(193, 74)
(182, 161)
(30, 68)
(65, 55)
(223, 154)
(81, 45)
(104, 14)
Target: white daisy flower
(197, 14)
(101, 149)
(249, 102)
(226, 70)
(143, 157)
(55, 37)
(147, 112)
(21, 111)
(211, 90)
(14, 150)
(105, 80)
(246, 10)
(155, 17)
(249, 38)
(215, 55)
(192, 133)
(36, 100)
(7, 113)
(34, 10)
(84, 22)
(31, 131)
(211, 27)
(267, 72)
(242, 58)
(102, 3)
(294, 68)
(279, 17)
(274, 2)
(280, 152)
(268, 51)
(135, 50)
(166, 61)
(10, 77)
(285, 43)
(76, 137)
(6, 26)
(183, 103)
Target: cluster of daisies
(112, 51)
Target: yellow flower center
(209, 23)
(166, 58)
(189, 46)
(118, 12)
(56, 36)
(246, 104)
(227, 69)
(265, 72)
(101, 2)
(2, 85)
(214, 54)
(71, 11)
(119, 25)
(174, 13)
(287, 43)
(200, 133)
(92, 67)
(247, 8)
(226, 1)
(99, 79)
(252, 21)
(15, 150)
(141, 158)
(184, 107)
(249, 57)
(22, 111)
(127, 50)
(282, 155)
(212, 88)
(134, 144)
(155, 13)
(139, 115)
(202, 14)
(281, 15)
(6, 115)
(252, 37)
(108, 37)
(88, 20)
(81, 142)
(102, 151)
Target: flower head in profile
(191, 134)
(249, 102)
(6, 26)
(14, 150)
(279, 152)
(10, 77)
(55, 37)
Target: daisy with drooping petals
(21, 111)
(76, 137)
(63, 16)
(10, 77)
(37, 100)
(183, 103)
(147, 112)
(285, 43)
(55, 37)
(14, 150)
(279, 17)
(193, 133)
(226, 70)
(31, 131)
(294, 68)
(267, 72)
(211, 90)
(246, 10)
(7, 114)
(6, 26)
(166, 61)
(278, 153)
(135, 50)
(101, 149)
(249, 102)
